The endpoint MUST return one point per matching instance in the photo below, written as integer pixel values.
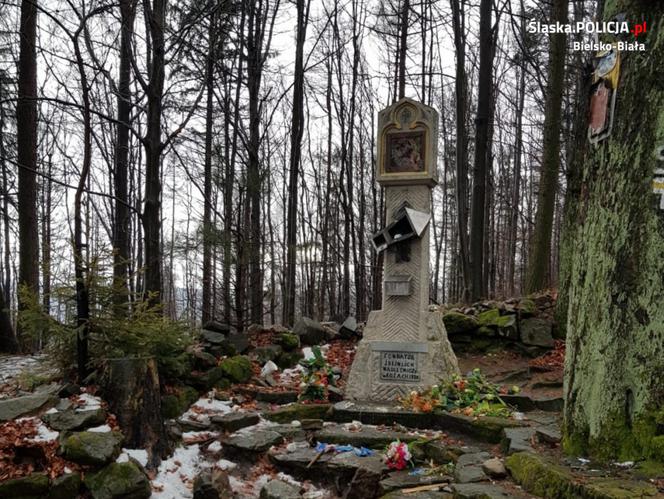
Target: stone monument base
(384, 370)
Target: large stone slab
(536, 332)
(367, 436)
(234, 421)
(342, 464)
(28, 405)
(298, 412)
(253, 442)
(74, 420)
(118, 481)
(469, 468)
(92, 448)
(404, 479)
(480, 491)
(310, 331)
(277, 489)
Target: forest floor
(262, 444)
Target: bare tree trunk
(297, 129)
(153, 149)
(482, 150)
(403, 47)
(121, 228)
(458, 21)
(538, 265)
(206, 312)
(26, 131)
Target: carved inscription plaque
(399, 366)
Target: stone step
(485, 429)
(366, 436)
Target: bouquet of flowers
(397, 455)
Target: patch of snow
(225, 465)
(288, 479)
(100, 429)
(175, 475)
(140, 455)
(44, 433)
(52, 410)
(88, 402)
(215, 446)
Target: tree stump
(132, 391)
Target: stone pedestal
(405, 346)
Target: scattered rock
(527, 308)
(193, 425)
(469, 468)
(298, 412)
(348, 329)
(69, 389)
(27, 405)
(277, 489)
(93, 448)
(312, 424)
(118, 481)
(212, 337)
(71, 420)
(65, 486)
(548, 434)
(218, 327)
(278, 398)
(212, 485)
(266, 353)
(203, 360)
(310, 331)
(494, 467)
(235, 344)
(522, 402)
(550, 404)
(479, 491)
(458, 323)
(537, 332)
(517, 440)
(289, 359)
(258, 441)
(32, 486)
(235, 421)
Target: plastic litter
(358, 451)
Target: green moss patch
(458, 323)
(237, 369)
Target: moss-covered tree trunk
(614, 393)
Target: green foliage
(472, 396)
(317, 378)
(137, 329)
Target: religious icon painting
(405, 152)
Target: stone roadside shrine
(405, 346)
